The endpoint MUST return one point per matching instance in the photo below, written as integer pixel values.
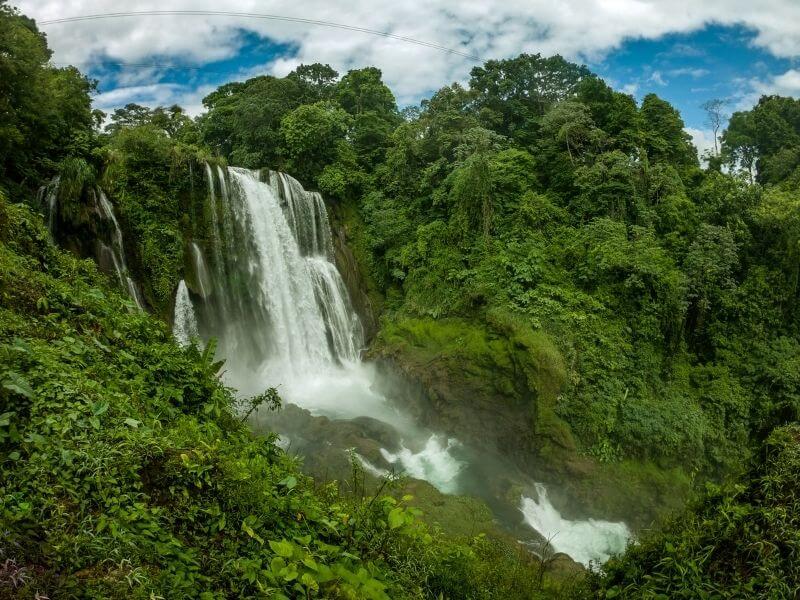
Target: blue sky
(688, 69)
(684, 51)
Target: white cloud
(694, 73)
(657, 78)
(702, 138)
(784, 84)
(577, 29)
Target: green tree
(45, 113)
(710, 265)
(770, 134)
(664, 136)
(362, 90)
(309, 135)
(512, 95)
(318, 80)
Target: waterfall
(46, 198)
(344, 330)
(307, 216)
(211, 209)
(280, 311)
(279, 304)
(201, 273)
(116, 251)
(184, 327)
(587, 542)
(110, 255)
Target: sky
(686, 51)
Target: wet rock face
(461, 406)
(324, 442)
(352, 274)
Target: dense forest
(534, 244)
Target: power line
(268, 17)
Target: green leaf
(16, 383)
(132, 423)
(251, 532)
(289, 482)
(396, 517)
(308, 580)
(282, 548)
(277, 564)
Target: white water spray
(433, 463)
(586, 542)
(184, 327)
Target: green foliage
(587, 219)
(548, 244)
(737, 542)
(155, 182)
(765, 139)
(126, 473)
(173, 121)
(511, 95)
(76, 176)
(46, 111)
(310, 134)
(664, 136)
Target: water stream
(116, 250)
(185, 322)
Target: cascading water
(434, 463)
(184, 327)
(116, 251)
(46, 198)
(279, 306)
(307, 216)
(110, 255)
(201, 273)
(587, 542)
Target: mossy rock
(500, 371)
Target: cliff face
(366, 300)
(494, 385)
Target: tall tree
(715, 117)
(45, 113)
(664, 136)
(513, 94)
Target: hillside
(527, 294)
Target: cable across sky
(260, 16)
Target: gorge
(283, 317)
